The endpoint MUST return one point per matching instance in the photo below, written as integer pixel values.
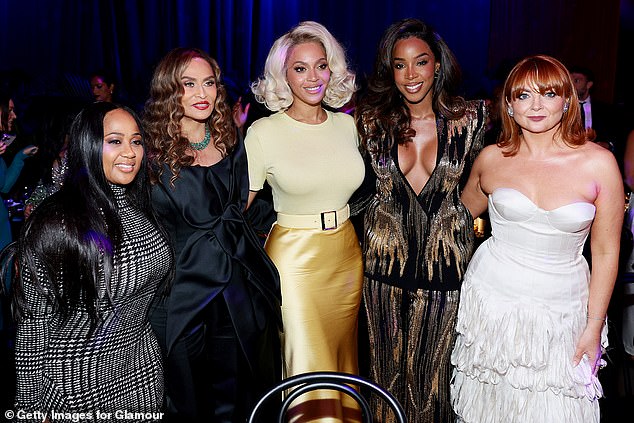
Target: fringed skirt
(518, 327)
(321, 274)
(411, 336)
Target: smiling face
(538, 112)
(307, 73)
(122, 147)
(199, 96)
(413, 65)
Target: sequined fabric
(424, 240)
(416, 249)
(43, 190)
(411, 336)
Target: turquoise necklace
(204, 143)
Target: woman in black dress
(218, 325)
(420, 142)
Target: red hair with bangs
(543, 73)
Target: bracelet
(595, 318)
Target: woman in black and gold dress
(91, 258)
(218, 325)
(419, 143)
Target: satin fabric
(219, 255)
(321, 277)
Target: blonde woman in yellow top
(309, 157)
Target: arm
(362, 197)
(11, 173)
(628, 161)
(32, 335)
(240, 114)
(7, 180)
(473, 197)
(39, 194)
(252, 195)
(255, 163)
(605, 244)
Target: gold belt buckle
(328, 220)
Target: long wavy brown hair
(544, 73)
(382, 113)
(164, 111)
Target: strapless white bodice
(557, 235)
(523, 307)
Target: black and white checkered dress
(62, 367)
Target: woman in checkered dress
(90, 259)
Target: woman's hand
(590, 344)
(3, 148)
(31, 150)
(240, 113)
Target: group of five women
(231, 317)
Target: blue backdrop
(50, 46)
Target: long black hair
(382, 113)
(52, 135)
(67, 245)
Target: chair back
(307, 382)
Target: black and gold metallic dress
(416, 248)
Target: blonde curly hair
(272, 88)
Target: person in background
(531, 323)
(91, 258)
(218, 326)
(594, 114)
(419, 141)
(310, 159)
(102, 85)
(9, 174)
(53, 153)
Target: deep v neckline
(439, 154)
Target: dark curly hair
(164, 111)
(382, 113)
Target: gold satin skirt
(321, 275)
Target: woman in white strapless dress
(531, 317)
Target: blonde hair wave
(272, 88)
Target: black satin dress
(219, 323)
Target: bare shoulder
(597, 164)
(595, 157)
(489, 154)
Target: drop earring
(566, 105)
(509, 110)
